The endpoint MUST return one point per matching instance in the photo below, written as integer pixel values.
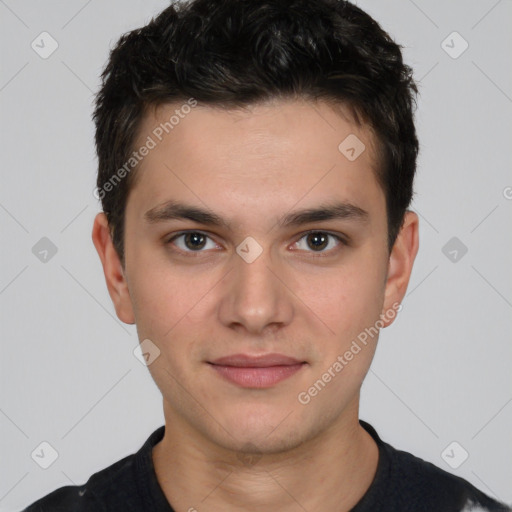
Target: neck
(331, 471)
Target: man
(256, 162)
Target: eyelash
(320, 254)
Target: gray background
(69, 376)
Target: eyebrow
(175, 210)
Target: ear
(113, 270)
(400, 265)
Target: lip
(259, 372)
(256, 361)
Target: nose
(256, 298)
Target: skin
(227, 447)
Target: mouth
(257, 372)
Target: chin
(267, 430)
(259, 443)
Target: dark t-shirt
(402, 483)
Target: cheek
(346, 299)
(161, 316)
(171, 304)
(159, 299)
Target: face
(250, 234)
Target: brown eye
(319, 242)
(192, 241)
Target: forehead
(277, 152)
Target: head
(229, 120)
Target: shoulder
(408, 483)
(436, 489)
(91, 495)
(120, 486)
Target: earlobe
(401, 261)
(112, 269)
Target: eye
(192, 241)
(318, 241)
